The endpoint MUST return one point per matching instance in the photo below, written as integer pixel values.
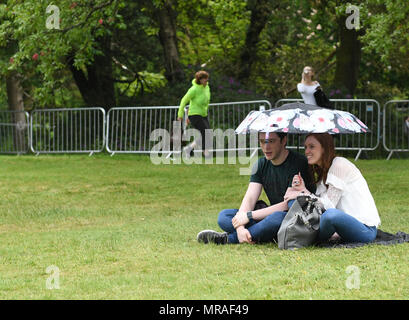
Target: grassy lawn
(122, 228)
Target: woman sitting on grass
(350, 213)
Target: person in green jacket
(198, 98)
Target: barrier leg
(358, 154)
(254, 152)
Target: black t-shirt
(276, 179)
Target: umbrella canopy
(301, 118)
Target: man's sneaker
(207, 236)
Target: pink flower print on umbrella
(296, 123)
(348, 122)
(279, 120)
(342, 123)
(303, 123)
(322, 120)
(361, 124)
(300, 118)
(244, 125)
(259, 123)
(276, 122)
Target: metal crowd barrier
(228, 115)
(14, 132)
(129, 128)
(367, 110)
(396, 126)
(74, 130)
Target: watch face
(250, 215)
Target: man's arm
(249, 201)
(262, 213)
(250, 198)
(241, 218)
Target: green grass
(122, 228)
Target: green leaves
(210, 33)
(41, 51)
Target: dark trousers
(200, 123)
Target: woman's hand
(291, 194)
(240, 219)
(244, 235)
(298, 183)
(181, 119)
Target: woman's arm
(330, 198)
(185, 100)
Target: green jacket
(198, 98)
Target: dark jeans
(200, 123)
(261, 231)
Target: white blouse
(348, 191)
(307, 92)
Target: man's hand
(240, 219)
(244, 235)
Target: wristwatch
(250, 215)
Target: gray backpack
(301, 224)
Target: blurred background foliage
(132, 53)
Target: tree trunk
(260, 11)
(97, 84)
(348, 57)
(16, 104)
(167, 36)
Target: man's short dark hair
(281, 135)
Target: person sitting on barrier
(351, 214)
(307, 86)
(255, 222)
(198, 98)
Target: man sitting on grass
(274, 172)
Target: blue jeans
(261, 231)
(348, 228)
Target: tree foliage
(146, 52)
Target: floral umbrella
(301, 118)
